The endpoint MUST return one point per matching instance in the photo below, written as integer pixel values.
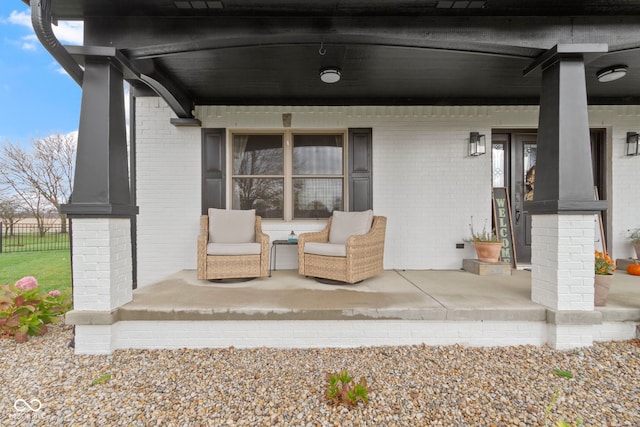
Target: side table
(274, 252)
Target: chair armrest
(202, 242)
(203, 236)
(371, 241)
(316, 236)
(203, 239)
(261, 237)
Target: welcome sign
(504, 229)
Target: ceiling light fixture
(612, 73)
(330, 74)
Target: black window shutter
(213, 169)
(360, 169)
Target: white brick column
(102, 273)
(562, 276)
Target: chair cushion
(326, 249)
(345, 224)
(232, 226)
(233, 249)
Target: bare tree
(43, 174)
(10, 212)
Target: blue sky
(37, 97)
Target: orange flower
(604, 264)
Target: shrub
(25, 310)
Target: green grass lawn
(52, 269)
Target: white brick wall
(423, 180)
(562, 261)
(624, 174)
(102, 269)
(305, 334)
(618, 331)
(168, 192)
(99, 339)
(94, 339)
(565, 337)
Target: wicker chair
(230, 266)
(364, 255)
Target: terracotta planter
(488, 251)
(602, 284)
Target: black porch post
(563, 204)
(101, 208)
(101, 183)
(564, 176)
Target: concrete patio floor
(404, 295)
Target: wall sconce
(477, 144)
(633, 148)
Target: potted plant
(634, 235)
(486, 242)
(604, 269)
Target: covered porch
(409, 88)
(435, 307)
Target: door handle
(517, 216)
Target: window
(258, 174)
(288, 175)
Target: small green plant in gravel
(26, 310)
(102, 379)
(554, 399)
(561, 423)
(342, 389)
(562, 373)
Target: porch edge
(573, 317)
(92, 317)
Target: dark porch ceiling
(389, 51)
(78, 9)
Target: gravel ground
(409, 386)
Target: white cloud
(68, 32)
(29, 43)
(20, 18)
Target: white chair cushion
(233, 226)
(345, 224)
(233, 249)
(326, 249)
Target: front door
(514, 167)
(514, 160)
(523, 160)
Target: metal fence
(30, 238)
